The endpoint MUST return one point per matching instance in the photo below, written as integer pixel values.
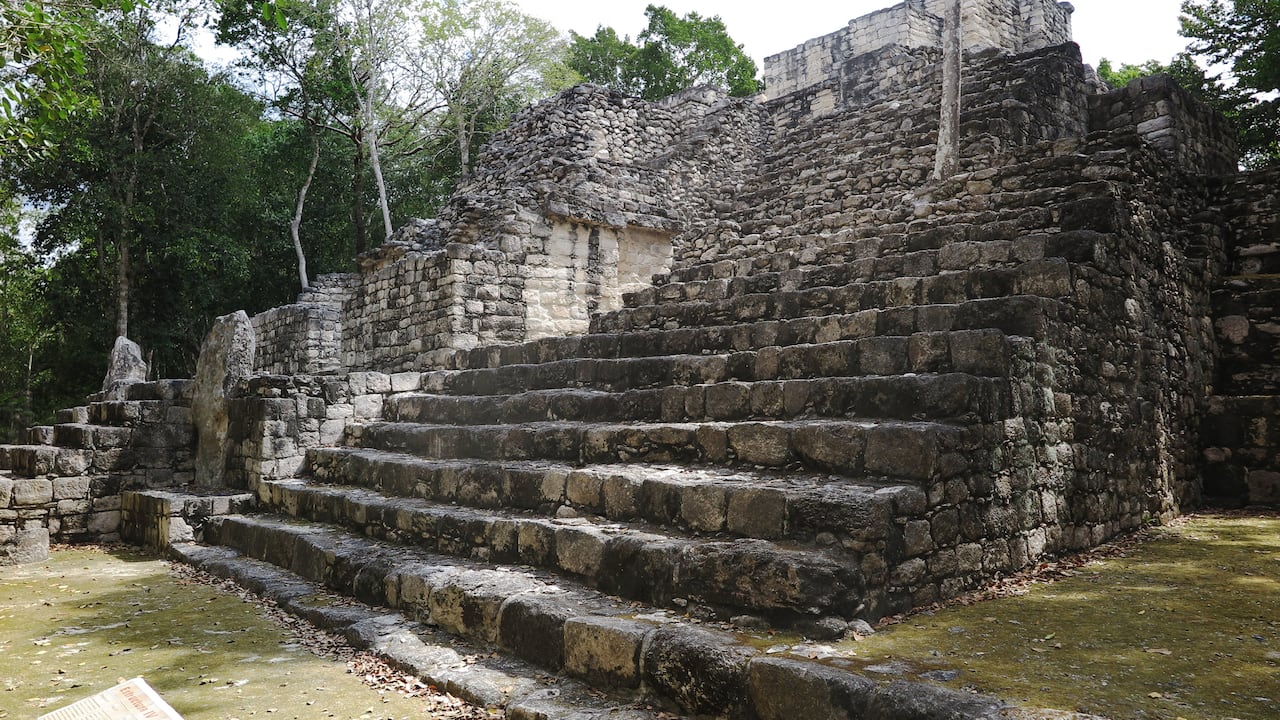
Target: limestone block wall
(305, 337)
(301, 338)
(275, 419)
(1012, 25)
(866, 164)
(69, 478)
(573, 270)
(1168, 118)
(1241, 460)
(594, 156)
(406, 312)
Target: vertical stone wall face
(1169, 119)
(1011, 25)
(406, 312)
(1242, 459)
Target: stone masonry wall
(407, 311)
(305, 337)
(299, 338)
(866, 166)
(1242, 463)
(1013, 25)
(69, 477)
(1168, 118)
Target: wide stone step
(846, 257)
(955, 396)
(1023, 315)
(744, 503)
(579, 633)
(131, 413)
(465, 670)
(78, 414)
(89, 437)
(914, 451)
(31, 461)
(1045, 278)
(659, 566)
(175, 391)
(982, 353)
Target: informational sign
(131, 700)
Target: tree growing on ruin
(671, 54)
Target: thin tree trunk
(464, 149)
(296, 223)
(376, 164)
(122, 289)
(28, 395)
(357, 196)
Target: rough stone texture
(24, 546)
(226, 358)
(124, 367)
(1014, 25)
(846, 391)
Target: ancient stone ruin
(749, 361)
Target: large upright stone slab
(124, 368)
(226, 357)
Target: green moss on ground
(1186, 625)
(87, 619)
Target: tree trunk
(464, 149)
(296, 223)
(376, 164)
(122, 289)
(357, 195)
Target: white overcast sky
(1123, 31)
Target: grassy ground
(87, 619)
(1185, 625)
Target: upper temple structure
(764, 361)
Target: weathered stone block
(784, 689)
(32, 492)
(604, 650)
(25, 546)
(71, 488)
(704, 671)
(757, 512)
(760, 444)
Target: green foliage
(43, 48)
(21, 333)
(483, 60)
(1245, 36)
(172, 170)
(1126, 73)
(672, 53)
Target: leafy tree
(485, 59)
(671, 54)
(154, 206)
(297, 59)
(42, 52)
(1245, 36)
(22, 335)
(1126, 73)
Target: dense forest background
(145, 191)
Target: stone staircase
(788, 441)
(67, 479)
